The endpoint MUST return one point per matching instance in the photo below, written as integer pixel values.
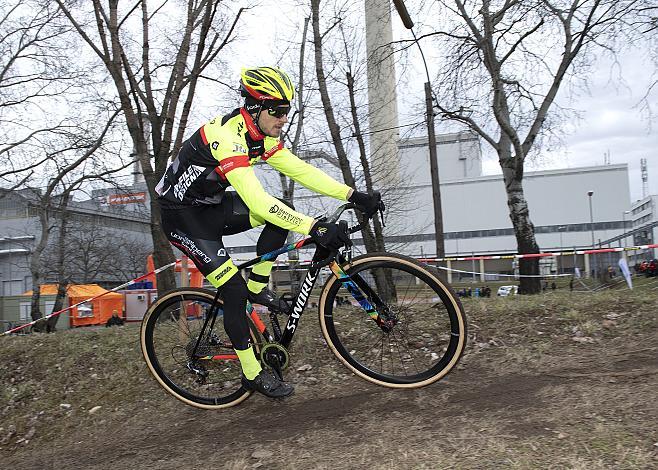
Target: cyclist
(196, 209)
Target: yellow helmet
(266, 83)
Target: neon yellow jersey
(217, 156)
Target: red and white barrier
(543, 255)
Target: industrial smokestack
(382, 102)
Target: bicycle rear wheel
(426, 327)
(206, 375)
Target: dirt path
(456, 423)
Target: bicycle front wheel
(424, 334)
(204, 372)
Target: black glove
(330, 236)
(366, 203)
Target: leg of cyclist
(271, 238)
(197, 231)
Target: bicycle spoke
(175, 351)
(413, 342)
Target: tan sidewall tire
(196, 291)
(413, 264)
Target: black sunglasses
(278, 111)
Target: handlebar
(333, 218)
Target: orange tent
(96, 312)
(196, 278)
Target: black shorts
(198, 230)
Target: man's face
(272, 120)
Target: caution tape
(542, 255)
(504, 275)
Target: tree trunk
(62, 278)
(384, 283)
(51, 323)
(373, 242)
(36, 268)
(524, 230)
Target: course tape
(505, 275)
(543, 255)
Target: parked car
(504, 291)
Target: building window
(25, 312)
(14, 287)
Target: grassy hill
(558, 380)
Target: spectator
(115, 319)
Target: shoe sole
(246, 387)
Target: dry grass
(526, 395)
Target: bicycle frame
(356, 286)
(300, 300)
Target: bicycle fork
(357, 286)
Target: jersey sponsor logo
(272, 151)
(322, 230)
(221, 252)
(190, 247)
(215, 145)
(302, 298)
(283, 214)
(240, 128)
(220, 275)
(223, 272)
(237, 148)
(231, 163)
(186, 180)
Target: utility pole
(434, 173)
(431, 137)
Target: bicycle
(412, 334)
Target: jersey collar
(251, 125)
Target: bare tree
(36, 71)
(64, 175)
(60, 254)
(155, 79)
(372, 242)
(85, 251)
(296, 123)
(503, 65)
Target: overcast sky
(613, 120)
(611, 117)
